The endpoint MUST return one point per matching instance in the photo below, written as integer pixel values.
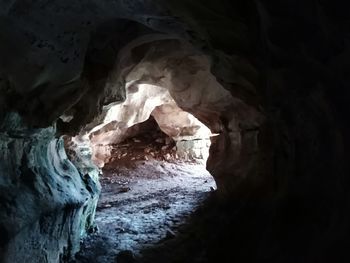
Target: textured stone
(47, 204)
(270, 77)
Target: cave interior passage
(84, 86)
(154, 177)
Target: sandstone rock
(44, 181)
(270, 78)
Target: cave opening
(269, 77)
(153, 175)
(160, 141)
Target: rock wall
(289, 184)
(178, 123)
(269, 76)
(187, 74)
(194, 149)
(55, 60)
(142, 101)
(46, 205)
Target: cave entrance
(154, 170)
(147, 142)
(154, 173)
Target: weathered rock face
(270, 77)
(186, 73)
(179, 124)
(46, 203)
(43, 77)
(142, 102)
(172, 74)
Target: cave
(153, 173)
(254, 92)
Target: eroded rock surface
(277, 94)
(47, 204)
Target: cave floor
(144, 205)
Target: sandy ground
(144, 205)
